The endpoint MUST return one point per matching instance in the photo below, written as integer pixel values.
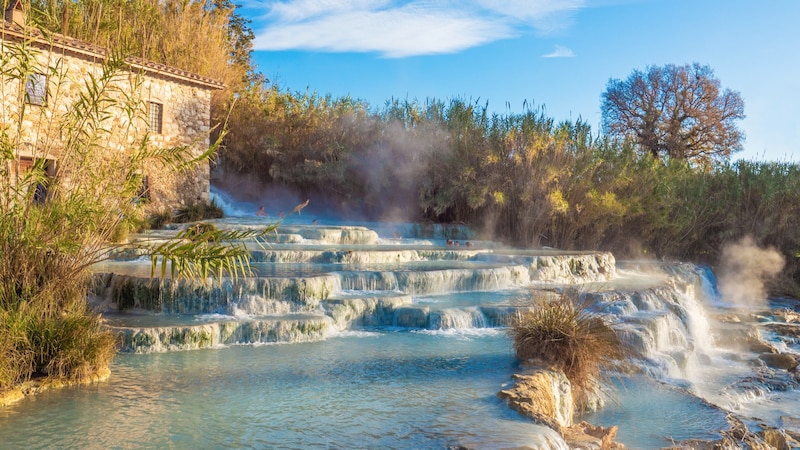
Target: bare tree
(675, 112)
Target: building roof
(89, 51)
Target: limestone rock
(762, 347)
(791, 425)
(786, 329)
(739, 437)
(787, 315)
(36, 385)
(589, 437)
(545, 396)
(779, 361)
(757, 344)
(778, 439)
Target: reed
(47, 245)
(518, 177)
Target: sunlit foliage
(48, 242)
(520, 177)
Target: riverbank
(19, 392)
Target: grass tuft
(198, 211)
(565, 336)
(48, 331)
(159, 219)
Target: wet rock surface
(779, 361)
(545, 396)
(35, 386)
(586, 436)
(740, 437)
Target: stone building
(175, 108)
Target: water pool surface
(360, 390)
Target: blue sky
(559, 54)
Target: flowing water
(393, 336)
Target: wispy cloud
(395, 28)
(560, 52)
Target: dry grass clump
(564, 335)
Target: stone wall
(185, 117)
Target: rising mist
(744, 269)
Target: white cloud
(537, 11)
(560, 52)
(306, 9)
(397, 28)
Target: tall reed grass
(518, 177)
(48, 243)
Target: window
(36, 89)
(38, 190)
(143, 193)
(155, 117)
(25, 165)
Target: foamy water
(424, 372)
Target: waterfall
(229, 205)
(307, 328)
(368, 281)
(667, 325)
(679, 343)
(457, 318)
(462, 280)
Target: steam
(394, 168)
(390, 161)
(744, 268)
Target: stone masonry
(174, 107)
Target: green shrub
(16, 358)
(198, 211)
(50, 331)
(563, 335)
(47, 246)
(81, 346)
(158, 220)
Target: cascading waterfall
(442, 281)
(453, 318)
(666, 324)
(680, 343)
(318, 282)
(369, 281)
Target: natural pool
(399, 341)
(369, 389)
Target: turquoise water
(430, 385)
(367, 389)
(363, 390)
(656, 415)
